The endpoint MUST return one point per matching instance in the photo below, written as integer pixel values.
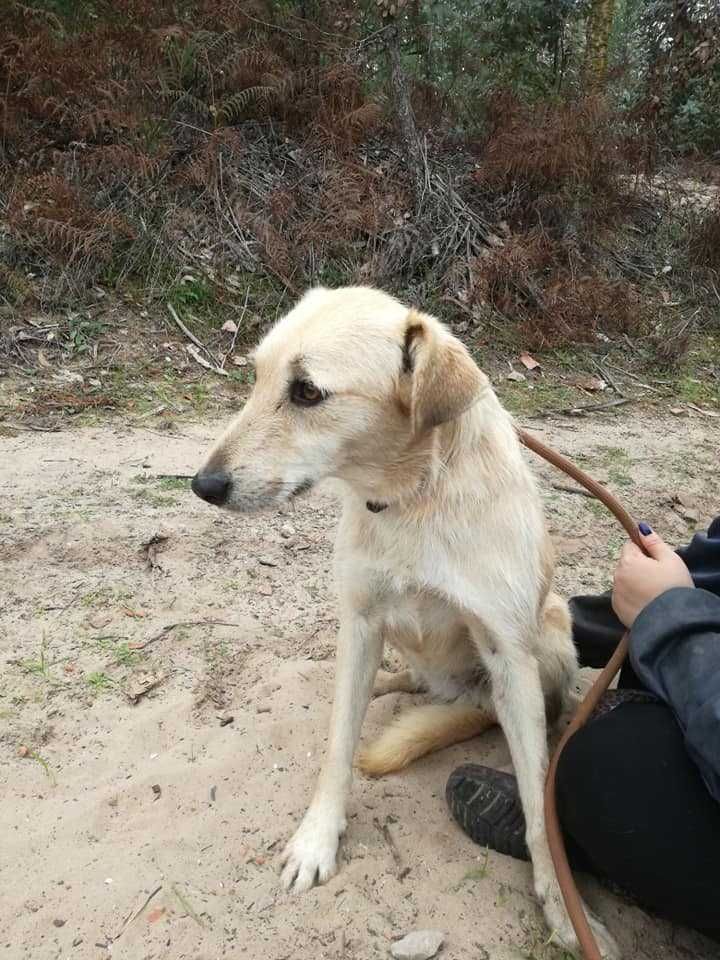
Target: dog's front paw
(563, 932)
(310, 857)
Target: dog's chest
(411, 556)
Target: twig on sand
(198, 357)
(581, 411)
(197, 345)
(237, 329)
(565, 488)
(188, 333)
(182, 623)
(30, 427)
(186, 905)
(132, 917)
(604, 373)
(384, 830)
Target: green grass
(154, 499)
(121, 653)
(597, 508)
(41, 666)
(105, 595)
(609, 455)
(99, 681)
(521, 400)
(32, 755)
(693, 390)
(193, 293)
(163, 483)
(474, 874)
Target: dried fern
(234, 108)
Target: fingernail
(644, 529)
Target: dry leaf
(684, 505)
(23, 752)
(239, 361)
(43, 360)
(530, 363)
(99, 620)
(137, 614)
(705, 413)
(156, 914)
(229, 327)
(591, 384)
(141, 683)
(516, 376)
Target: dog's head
(350, 384)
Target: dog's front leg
(310, 856)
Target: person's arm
(597, 629)
(702, 558)
(675, 651)
(674, 643)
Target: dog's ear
(445, 381)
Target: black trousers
(633, 806)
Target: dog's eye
(305, 394)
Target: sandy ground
(150, 829)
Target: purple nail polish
(644, 529)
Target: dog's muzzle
(212, 487)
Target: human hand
(639, 579)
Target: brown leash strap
(556, 843)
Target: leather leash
(569, 890)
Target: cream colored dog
(442, 549)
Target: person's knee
(587, 776)
(576, 767)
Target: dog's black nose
(213, 487)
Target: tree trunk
(405, 116)
(597, 38)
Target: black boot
(486, 805)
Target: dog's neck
(441, 464)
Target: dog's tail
(420, 731)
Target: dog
(442, 550)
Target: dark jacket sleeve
(596, 629)
(675, 651)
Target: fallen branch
(182, 623)
(237, 329)
(196, 345)
(565, 488)
(29, 427)
(606, 376)
(132, 917)
(384, 830)
(581, 411)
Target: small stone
(517, 376)
(77, 941)
(265, 590)
(57, 922)
(267, 562)
(287, 530)
(156, 789)
(418, 945)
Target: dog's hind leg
(401, 682)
